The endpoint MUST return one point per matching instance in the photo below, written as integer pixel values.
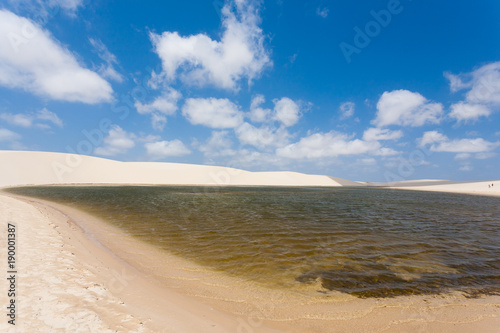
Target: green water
(365, 242)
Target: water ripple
(365, 242)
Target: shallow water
(365, 242)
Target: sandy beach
(76, 273)
(491, 188)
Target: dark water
(365, 242)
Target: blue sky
(364, 90)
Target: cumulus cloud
(468, 112)
(385, 151)
(465, 145)
(258, 114)
(107, 70)
(163, 149)
(117, 142)
(456, 82)
(198, 59)
(32, 119)
(218, 144)
(331, 144)
(31, 59)
(8, 136)
(483, 92)
(439, 142)
(162, 106)
(377, 134)
(347, 109)
(286, 111)
(406, 108)
(485, 155)
(431, 137)
(483, 84)
(18, 119)
(262, 137)
(462, 156)
(212, 112)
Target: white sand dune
(37, 168)
(29, 167)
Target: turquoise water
(365, 242)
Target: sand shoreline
(124, 298)
(473, 188)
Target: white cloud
(483, 95)
(19, 119)
(406, 108)
(484, 155)
(456, 82)
(347, 109)
(260, 160)
(258, 114)
(71, 5)
(117, 142)
(163, 149)
(385, 151)
(462, 156)
(486, 85)
(323, 12)
(483, 86)
(219, 144)
(29, 120)
(431, 137)
(466, 167)
(31, 59)
(149, 138)
(212, 112)
(377, 134)
(331, 144)
(441, 143)
(369, 161)
(8, 135)
(162, 106)
(465, 146)
(50, 116)
(108, 71)
(262, 137)
(198, 59)
(464, 112)
(45, 8)
(286, 111)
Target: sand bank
(77, 273)
(491, 187)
